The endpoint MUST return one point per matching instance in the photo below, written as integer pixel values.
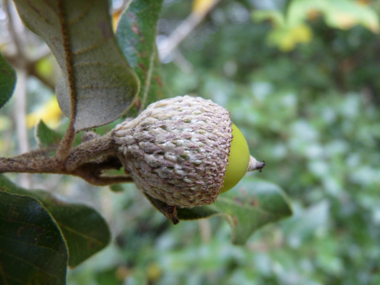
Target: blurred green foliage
(312, 113)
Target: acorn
(183, 152)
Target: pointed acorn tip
(255, 165)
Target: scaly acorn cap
(177, 151)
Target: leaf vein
(13, 278)
(82, 15)
(98, 87)
(81, 234)
(22, 242)
(28, 262)
(80, 64)
(148, 79)
(95, 45)
(258, 209)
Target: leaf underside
(7, 81)
(104, 84)
(83, 229)
(136, 34)
(251, 205)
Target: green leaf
(7, 81)
(105, 86)
(107, 277)
(251, 205)
(285, 8)
(136, 34)
(46, 137)
(84, 230)
(32, 249)
(116, 188)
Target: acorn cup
(183, 152)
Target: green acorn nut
(238, 160)
(181, 151)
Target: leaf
(136, 34)
(32, 249)
(285, 8)
(276, 17)
(290, 27)
(287, 38)
(250, 206)
(340, 14)
(84, 230)
(104, 84)
(345, 15)
(157, 90)
(46, 137)
(7, 81)
(116, 188)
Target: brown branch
(39, 162)
(89, 160)
(89, 150)
(31, 162)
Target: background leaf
(292, 24)
(32, 249)
(105, 85)
(7, 81)
(136, 34)
(46, 137)
(251, 205)
(285, 8)
(84, 230)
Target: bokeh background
(301, 81)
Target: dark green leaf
(105, 85)
(32, 249)
(84, 230)
(46, 137)
(251, 205)
(7, 81)
(107, 277)
(136, 34)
